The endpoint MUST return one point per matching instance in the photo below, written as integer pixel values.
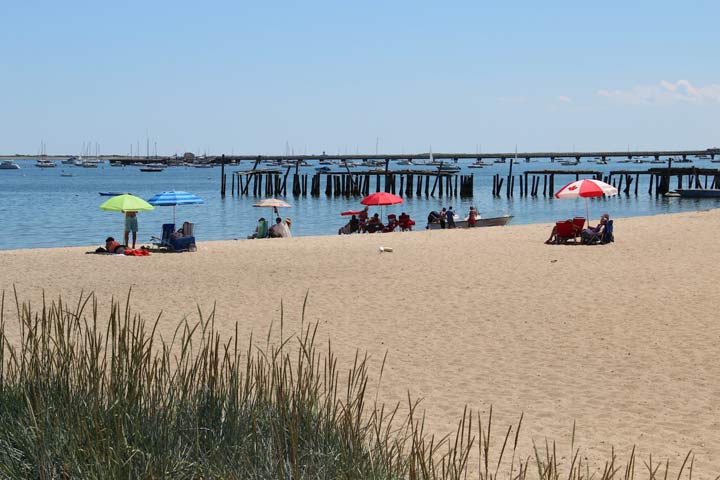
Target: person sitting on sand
(261, 231)
(591, 233)
(363, 219)
(374, 224)
(277, 230)
(288, 224)
(353, 226)
(111, 246)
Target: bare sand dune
(623, 338)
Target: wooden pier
(408, 183)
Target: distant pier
(262, 181)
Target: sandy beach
(623, 338)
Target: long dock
(604, 155)
(407, 182)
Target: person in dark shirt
(450, 218)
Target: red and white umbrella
(585, 189)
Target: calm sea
(41, 208)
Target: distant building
(188, 156)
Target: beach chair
(392, 223)
(565, 231)
(607, 235)
(164, 241)
(405, 223)
(578, 224)
(173, 243)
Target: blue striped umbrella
(173, 198)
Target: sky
(344, 77)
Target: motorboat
(69, 161)
(148, 168)
(323, 169)
(111, 194)
(9, 165)
(449, 168)
(480, 222)
(479, 163)
(699, 192)
(43, 163)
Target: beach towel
(137, 253)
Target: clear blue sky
(250, 76)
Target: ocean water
(41, 208)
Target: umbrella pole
(173, 215)
(587, 211)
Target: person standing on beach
(442, 218)
(472, 216)
(131, 225)
(450, 218)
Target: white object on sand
(385, 249)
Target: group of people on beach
(446, 217)
(600, 233)
(280, 229)
(363, 223)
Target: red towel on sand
(137, 253)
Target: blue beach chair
(180, 244)
(607, 233)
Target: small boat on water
(45, 164)
(479, 163)
(69, 161)
(323, 169)
(699, 192)
(66, 174)
(9, 165)
(111, 194)
(480, 222)
(152, 169)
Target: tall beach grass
(82, 397)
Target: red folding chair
(565, 231)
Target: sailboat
(43, 161)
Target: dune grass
(78, 400)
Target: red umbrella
(381, 198)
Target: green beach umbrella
(126, 203)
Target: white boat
(66, 174)
(479, 163)
(9, 165)
(480, 222)
(69, 161)
(90, 163)
(405, 162)
(43, 163)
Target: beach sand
(624, 338)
